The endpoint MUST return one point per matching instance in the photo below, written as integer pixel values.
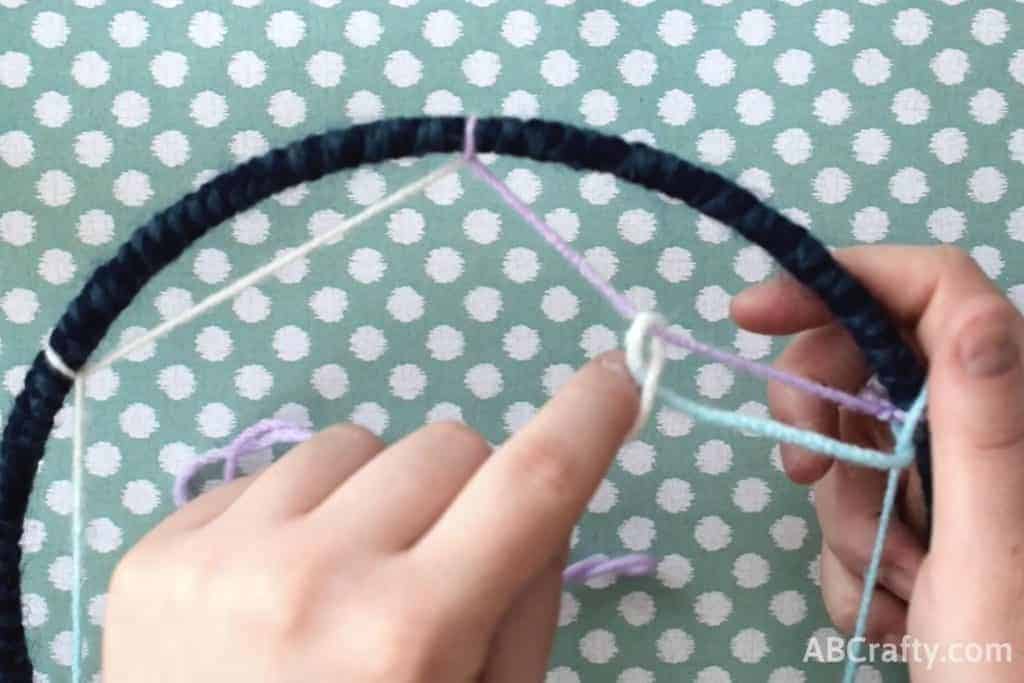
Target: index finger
(519, 508)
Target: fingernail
(991, 353)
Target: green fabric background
(870, 121)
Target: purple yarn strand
(263, 434)
(600, 565)
(869, 404)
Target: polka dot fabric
(867, 122)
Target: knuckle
(955, 259)
(549, 464)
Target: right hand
(968, 585)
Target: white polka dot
(751, 495)
(520, 265)
(871, 67)
(103, 536)
(484, 381)
(407, 381)
(325, 68)
(637, 226)
(287, 109)
(755, 27)
(950, 66)
(253, 382)
(1017, 66)
(911, 26)
(749, 646)
(833, 27)
(715, 68)
(483, 304)
(714, 457)
(598, 188)
(750, 570)
(947, 224)
(403, 69)
(675, 264)
(638, 67)
(599, 108)
(675, 646)
(329, 304)
(794, 67)
(17, 228)
(988, 106)
(637, 609)
(16, 148)
(986, 185)
(371, 416)
(871, 146)
(675, 495)
(561, 674)
(366, 186)
(909, 185)
(52, 109)
(171, 147)
(445, 343)
(520, 104)
(444, 265)
(559, 68)
(138, 421)
(140, 497)
(50, 29)
(15, 68)
(789, 532)
(405, 304)
(755, 107)
(206, 29)
(870, 224)
(129, 29)
(481, 68)
(34, 611)
(598, 646)
(713, 303)
(793, 146)
(213, 343)
(910, 106)
(102, 459)
(405, 226)
(989, 26)
(178, 382)
(442, 28)
(90, 70)
(247, 70)
(286, 29)
(442, 103)
(832, 185)
(559, 304)
(20, 305)
(169, 69)
(93, 148)
(524, 183)
(675, 571)
(208, 109)
(291, 343)
(142, 353)
(520, 28)
(715, 146)
(56, 266)
(832, 107)
(598, 28)
(989, 259)
(132, 188)
(215, 420)
(251, 227)
(712, 609)
(55, 188)
(949, 145)
(367, 343)
(447, 412)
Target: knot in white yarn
(646, 371)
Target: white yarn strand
(649, 373)
(265, 271)
(220, 296)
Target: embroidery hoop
(161, 240)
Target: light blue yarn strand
(901, 457)
(904, 447)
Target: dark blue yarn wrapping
(160, 241)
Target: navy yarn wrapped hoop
(161, 240)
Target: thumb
(976, 415)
